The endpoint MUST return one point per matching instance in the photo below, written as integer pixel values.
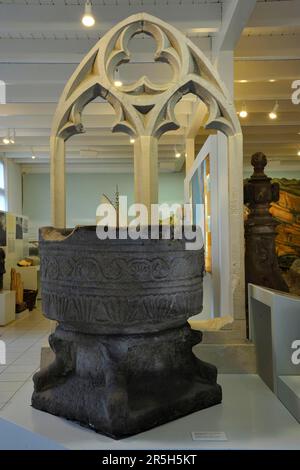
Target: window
(2, 187)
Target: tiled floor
(23, 340)
(250, 415)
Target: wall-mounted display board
(14, 240)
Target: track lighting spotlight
(12, 137)
(273, 113)
(88, 19)
(177, 153)
(243, 113)
(118, 82)
(6, 139)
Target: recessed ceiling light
(299, 153)
(132, 140)
(6, 138)
(12, 137)
(273, 113)
(33, 157)
(177, 154)
(88, 19)
(243, 81)
(243, 114)
(272, 80)
(117, 81)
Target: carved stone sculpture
(261, 264)
(123, 347)
(124, 360)
(16, 284)
(2, 267)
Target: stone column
(190, 153)
(57, 182)
(236, 224)
(146, 170)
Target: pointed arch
(145, 110)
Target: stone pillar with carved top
(261, 264)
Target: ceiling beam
(235, 16)
(269, 47)
(265, 106)
(71, 50)
(263, 71)
(284, 130)
(263, 91)
(284, 119)
(61, 19)
(275, 14)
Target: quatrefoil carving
(144, 107)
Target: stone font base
(120, 385)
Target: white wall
(14, 187)
(84, 193)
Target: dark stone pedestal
(123, 347)
(123, 385)
(261, 263)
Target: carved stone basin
(124, 360)
(118, 286)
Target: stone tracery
(146, 110)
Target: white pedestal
(7, 307)
(275, 330)
(29, 276)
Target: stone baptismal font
(123, 347)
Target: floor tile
(18, 369)
(14, 377)
(10, 359)
(34, 362)
(10, 386)
(5, 396)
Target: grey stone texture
(123, 347)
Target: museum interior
(149, 342)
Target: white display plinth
(29, 276)
(250, 417)
(275, 330)
(7, 307)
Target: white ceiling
(41, 42)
